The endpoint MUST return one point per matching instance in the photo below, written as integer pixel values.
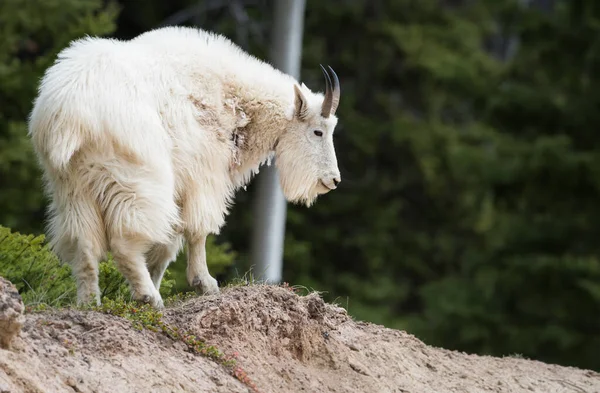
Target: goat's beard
(300, 193)
(297, 185)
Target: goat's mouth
(325, 186)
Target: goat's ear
(300, 104)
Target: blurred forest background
(469, 145)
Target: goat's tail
(61, 120)
(57, 123)
(54, 140)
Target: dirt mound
(284, 342)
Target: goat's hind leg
(83, 258)
(129, 254)
(160, 256)
(139, 211)
(77, 237)
(85, 270)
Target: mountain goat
(144, 142)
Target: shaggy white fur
(144, 142)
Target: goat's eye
(318, 133)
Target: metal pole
(270, 205)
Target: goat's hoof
(88, 298)
(205, 285)
(154, 301)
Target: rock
(11, 312)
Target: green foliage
(36, 272)
(32, 34)
(112, 283)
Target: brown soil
(285, 343)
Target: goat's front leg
(203, 212)
(197, 270)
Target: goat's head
(305, 153)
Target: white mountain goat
(144, 142)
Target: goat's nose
(336, 180)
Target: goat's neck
(257, 134)
(266, 122)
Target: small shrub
(36, 271)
